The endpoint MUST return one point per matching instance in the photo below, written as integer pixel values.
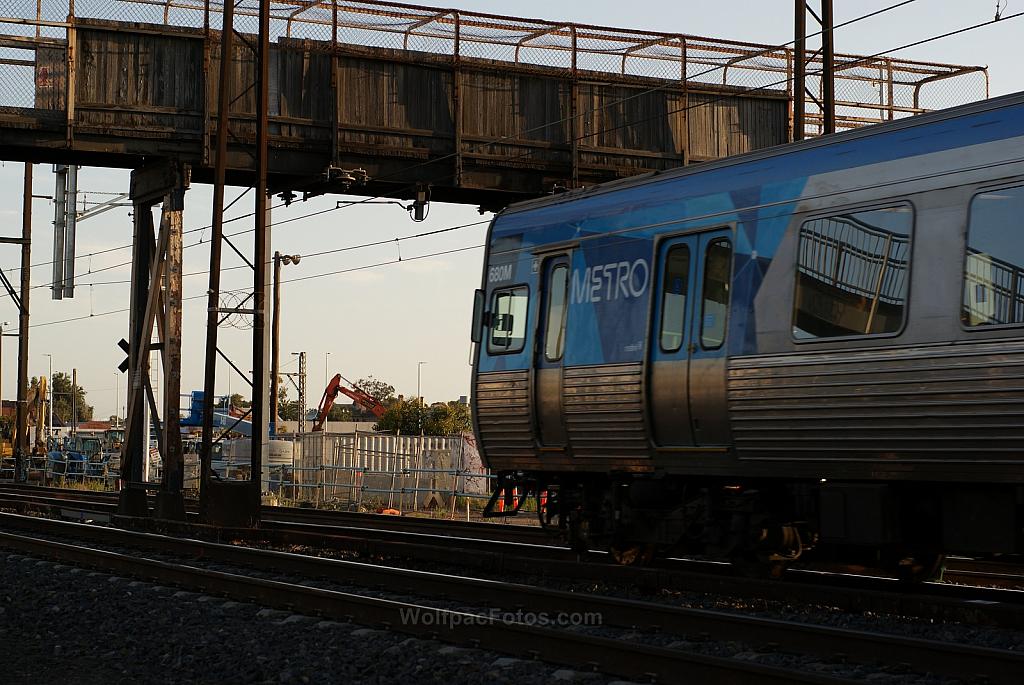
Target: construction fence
(373, 471)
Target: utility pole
(49, 418)
(419, 396)
(828, 76)
(261, 239)
(275, 343)
(826, 100)
(1, 373)
(21, 450)
(216, 237)
(74, 401)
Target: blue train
(816, 349)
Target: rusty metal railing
(867, 90)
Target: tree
(339, 412)
(411, 416)
(378, 390)
(447, 418)
(287, 409)
(62, 391)
(239, 402)
(404, 416)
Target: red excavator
(337, 386)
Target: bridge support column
(155, 298)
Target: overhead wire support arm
(238, 252)
(10, 291)
(234, 366)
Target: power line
(291, 280)
(348, 248)
(119, 265)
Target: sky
(384, 321)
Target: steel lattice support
(302, 394)
(155, 300)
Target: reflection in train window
(993, 278)
(508, 320)
(715, 307)
(554, 327)
(852, 274)
(673, 297)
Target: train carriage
(814, 347)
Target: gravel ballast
(62, 624)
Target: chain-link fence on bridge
(868, 90)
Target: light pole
(327, 369)
(117, 399)
(1, 369)
(275, 341)
(419, 396)
(49, 414)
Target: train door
(687, 351)
(549, 349)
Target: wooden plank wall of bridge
(143, 91)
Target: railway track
(580, 650)
(572, 648)
(481, 547)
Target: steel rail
(999, 666)
(104, 501)
(844, 591)
(556, 646)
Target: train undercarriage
(762, 526)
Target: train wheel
(632, 555)
(920, 567)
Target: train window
(715, 307)
(673, 297)
(852, 274)
(554, 327)
(508, 320)
(994, 266)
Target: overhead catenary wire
(337, 272)
(310, 255)
(497, 141)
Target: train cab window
(715, 306)
(554, 327)
(508, 320)
(673, 297)
(852, 274)
(994, 265)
